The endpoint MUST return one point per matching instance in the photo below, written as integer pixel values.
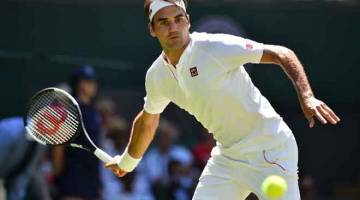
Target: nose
(173, 26)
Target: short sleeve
(154, 101)
(234, 51)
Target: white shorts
(228, 179)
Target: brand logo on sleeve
(249, 46)
(193, 71)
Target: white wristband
(127, 162)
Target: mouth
(172, 37)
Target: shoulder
(213, 39)
(217, 43)
(157, 75)
(155, 70)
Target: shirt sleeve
(154, 102)
(235, 51)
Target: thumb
(113, 162)
(110, 165)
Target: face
(87, 87)
(171, 27)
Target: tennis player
(203, 74)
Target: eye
(179, 19)
(164, 23)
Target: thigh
(216, 188)
(281, 161)
(292, 192)
(217, 182)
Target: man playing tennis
(203, 74)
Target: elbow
(147, 121)
(284, 55)
(275, 54)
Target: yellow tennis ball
(274, 187)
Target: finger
(311, 122)
(110, 165)
(331, 112)
(326, 115)
(120, 173)
(116, 171)
(320, 117)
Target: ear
(188, 17)
(151, 30)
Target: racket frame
(91, 148)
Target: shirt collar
(185, 54)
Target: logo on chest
(193, 71)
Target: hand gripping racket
(53, 117)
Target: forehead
(169, 12)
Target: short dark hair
(147, 4)
(147, 8)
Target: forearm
(296, 73)
(142, 134)
(291, 65)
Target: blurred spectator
(117, 133)
(2, 190)
(202, 150)
(307, 188)
(131, 187)
(76, 171)
(168, 166)
(19, 160)
(106, 107)
(114, 140)
(181, 182)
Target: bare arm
(142, 133)
(289, 62)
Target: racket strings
(53, 118)
(43, 119)
(53, 138)
(60, 135)
(71, 109)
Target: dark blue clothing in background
(18, 157)
(80, 177)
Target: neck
(173, 56)
(85, 99)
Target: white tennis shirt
(211, 84)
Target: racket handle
(102, 155)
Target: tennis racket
(53, 117)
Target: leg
(292, 192)
(216, 183)
(282, 161)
